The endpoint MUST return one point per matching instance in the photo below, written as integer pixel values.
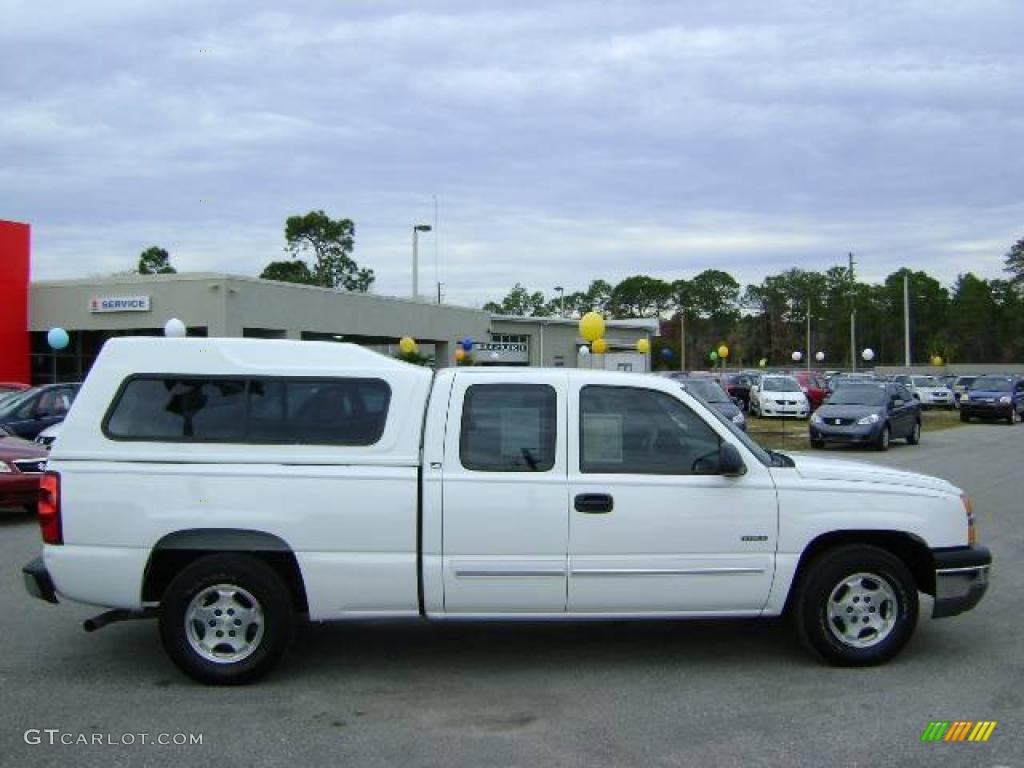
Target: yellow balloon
(600, 346)
(643, 346)
(460, 353)
(936, 361)
(723, 351)
(407, 345)
(592, 326)
(762, 362)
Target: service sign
(119, 304)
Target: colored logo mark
(958, 730)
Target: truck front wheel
(856, 605)
(226, 619)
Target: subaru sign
(119, 304)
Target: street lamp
(561, 300)
(416, 257)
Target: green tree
(640, 296)
(520, 302)
(330, 243)
(1015, 262)
(155, 261)
(288, 271)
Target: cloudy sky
(562, 140)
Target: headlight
(738, 419)
(5, 467)
(872, 419)
(816, 419)
(1004, 399)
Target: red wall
(14, 276)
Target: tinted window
(991, 383)
(508, 428)
(324, 411)
(780, 384)
(626, 430)
(707, 390)
(858, 395)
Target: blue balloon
(57, 338)
(666, 352)
(467, 343)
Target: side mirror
(730, 463)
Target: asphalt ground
(607, 694)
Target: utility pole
(906, 320)
(682, 341)
(853, 318)
(808, 334)
(439, 292)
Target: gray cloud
(564, 140)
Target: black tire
(964, 417)
(884, 438)
(1013, 418)
(881, 574)
(817, 443)
(915, 434)
(270, 632)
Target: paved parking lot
(617, 694)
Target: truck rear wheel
(856, 605)
(226, 619)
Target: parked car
(960, 387)
(931, 392)
(245, 482)
(779, 395)
(738, 386)
(867, 414)
(36, 409)
(712, 393)
(21, 466)
(812, 385)
(10, 389)
(994, 397)
(48, 436)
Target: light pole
(853, 317)
(416, 257)
(561, 300)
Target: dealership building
(93, 310)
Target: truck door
(654, 527)
(504, 495)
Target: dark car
(867, 414)
(994, 397)
(738, 385)
(21, 465)
(712, 393)
(29, 413)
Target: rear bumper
(38, 582)
(961, 579)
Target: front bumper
(38, 581)
(850, 434)
(961, 579)
(983, 410)
(790, 411)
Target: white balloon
(584, 350)
(819, 356)
(797, 356)
(495, 355)
(868, 354)
(175, 329)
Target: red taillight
(49, 508)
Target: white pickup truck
(230, 486)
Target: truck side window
(180, 409)
(625, 430)
(508, 428)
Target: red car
(813, 386)
(21, 466)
